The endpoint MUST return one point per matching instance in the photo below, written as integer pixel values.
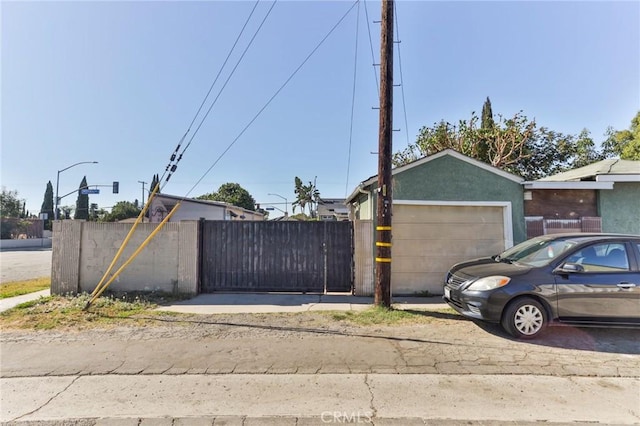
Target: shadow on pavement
(320, 331)
(607, 340)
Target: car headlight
(489, 283)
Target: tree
(516, 145)
(624, 143)
(120, 211)
(501, 146)
(10, 204)
(307, 195)
(487, 127)
(47, 206)
(234, 194)
(155, 181)
(82, 202)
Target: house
(194, 209)
(332, 209)
(447, 208)
(601, 197)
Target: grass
(67, 312)
(389, 316)
(138, 309)
(18, 288)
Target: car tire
(524, 318)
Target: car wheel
(524, 318)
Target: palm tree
(307, 195)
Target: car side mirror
(569, 268)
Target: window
(606, 257)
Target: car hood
(486, 266)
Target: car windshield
(538, 251)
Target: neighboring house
(447, 208)
(603, 196)
(193, 209)
(332, 209)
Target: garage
(429, 237)
(447, 208)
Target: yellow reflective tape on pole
(383, 228)
(134, 255)
(383, 259)
(126, 241)
(381, 244)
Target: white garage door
(428, 239)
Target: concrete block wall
(83, 251)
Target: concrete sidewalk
(12, 302)
(243, 303)
(229, 303)
(316, 399)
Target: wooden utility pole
(383, 216)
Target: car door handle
(626, 286)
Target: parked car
(579, 279)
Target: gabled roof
(613, 170)
(206, 202)
(424, 160)
(600, 175)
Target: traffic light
(116, 187)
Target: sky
(120, 82)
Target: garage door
(428, 239)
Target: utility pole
(143, 184)
(383, 213)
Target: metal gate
(276, 256)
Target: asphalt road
(19, 265)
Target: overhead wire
(353, 99)
(255, 117)
(373, 56)
(172, 166)
(404, 105)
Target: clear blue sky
(119, 83)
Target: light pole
(143, 184)
(285, 203)
(55, 211)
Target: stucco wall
(82, 252)
(620, 208)
(449, 179)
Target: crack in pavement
(48, 401)
(374, 411)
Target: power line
(172, 166)
(353, 100)
(255, 117)
(404, 106)
(373, 56)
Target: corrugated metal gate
(276, 256)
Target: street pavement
(231, 369)
(24, 264)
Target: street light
(55, 211)
(285, 203)
(143, 184)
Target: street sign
(89, 191)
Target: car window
(537, 251)
(604, 257)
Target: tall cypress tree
(47, 206)
(487, 127)
(487, 116)
(154, 182)
(82, 203)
